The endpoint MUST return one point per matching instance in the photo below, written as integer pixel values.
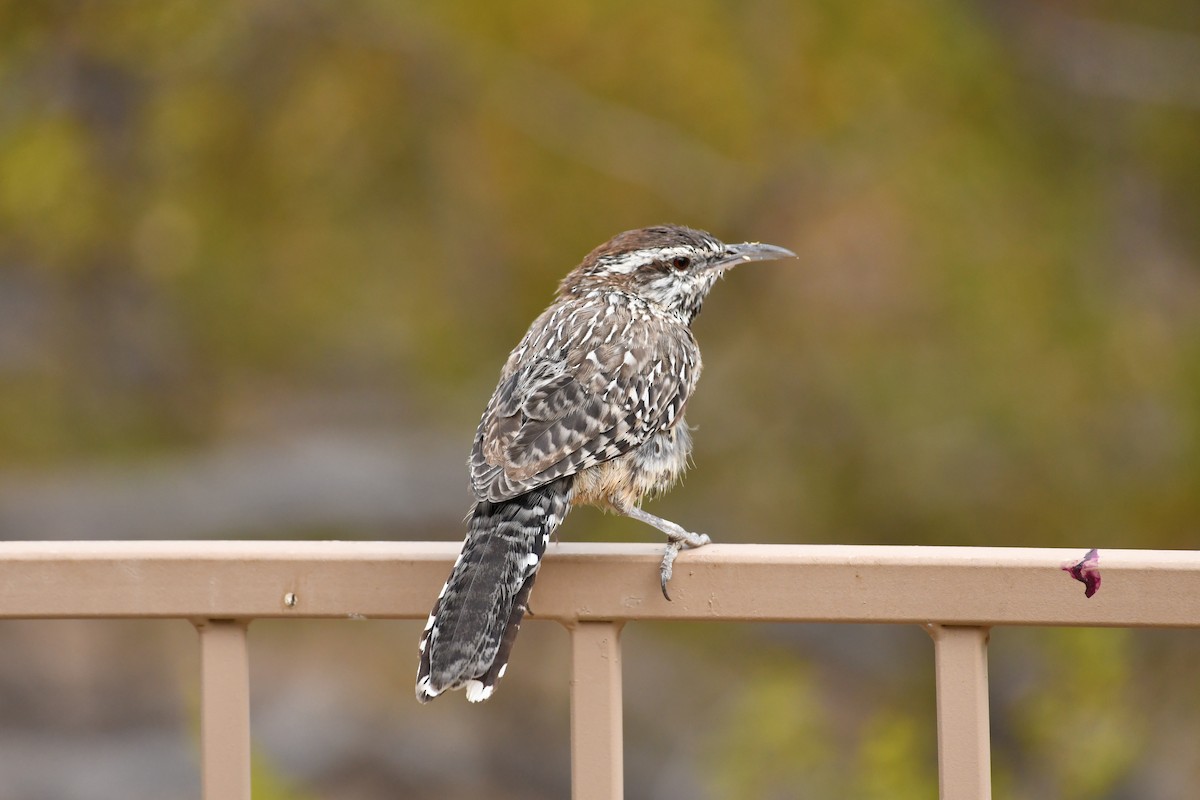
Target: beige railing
(956, 594)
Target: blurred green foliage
(780, 735)
(774, 738)
(267, 782)
(1103, 739)
(992, 335)
(894, 760)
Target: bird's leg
(677, 538)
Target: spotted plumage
(595, 377)
(589, 409)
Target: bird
(589, 410)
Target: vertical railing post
(964, 740)
(597, 755)
(224, 710)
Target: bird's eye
(681, 262)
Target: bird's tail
(474, 622)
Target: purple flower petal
(1086, 572)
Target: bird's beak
(749, 251)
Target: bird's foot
(674, 545)
(678, 538)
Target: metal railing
(956, 594)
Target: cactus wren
(589, 409)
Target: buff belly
(647, 470)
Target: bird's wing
(588, 383)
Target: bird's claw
(666, 569)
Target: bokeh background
(260, 263)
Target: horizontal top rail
(593, 581)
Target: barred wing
(590, 382)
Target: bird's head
(669, 265)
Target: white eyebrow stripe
(626, 263)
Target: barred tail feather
(474, 622)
